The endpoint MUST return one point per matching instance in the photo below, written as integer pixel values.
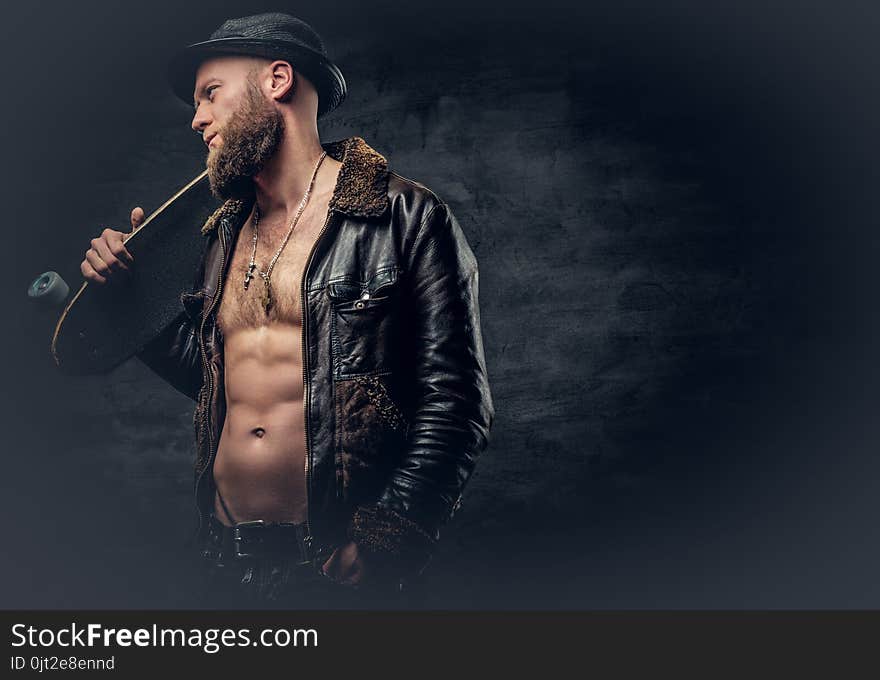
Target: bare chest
(243, 307)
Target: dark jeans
(282, 582)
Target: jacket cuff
(391, 538)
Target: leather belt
(258, 539)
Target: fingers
(344, 566)
(115, 242)
(330, 567)
(108, 254)
(88, 271)
(104, 247)
(97, 264)
(137, 216)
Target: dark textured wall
(673, 216)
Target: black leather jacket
(396, 397)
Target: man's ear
(283, 84)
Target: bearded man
(332, 340)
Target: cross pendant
(249, 274)
(267, 297)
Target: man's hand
(345, 565)
(108, 255)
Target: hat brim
(324, 75)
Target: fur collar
(361, 188)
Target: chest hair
(243, 309)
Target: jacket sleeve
(174, 354)
(453, 409)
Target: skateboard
(101, 326)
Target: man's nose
(200, 120)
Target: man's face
(242, 128)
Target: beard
(250, 138)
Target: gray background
(674, 218)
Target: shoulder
(410, 200)
(428, 226)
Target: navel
(258, 432)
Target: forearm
(453, 415)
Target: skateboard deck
(103, 325)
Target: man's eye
(210, 92)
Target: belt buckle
(238, 537)
(212, 555)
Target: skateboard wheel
(48, 289)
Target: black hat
(273, 36)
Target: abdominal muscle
(260, 465)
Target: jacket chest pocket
(363, 325)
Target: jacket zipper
(307, 457)
(207, 371)
(306, 383)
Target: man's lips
(210, 139)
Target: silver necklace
(252, 266)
